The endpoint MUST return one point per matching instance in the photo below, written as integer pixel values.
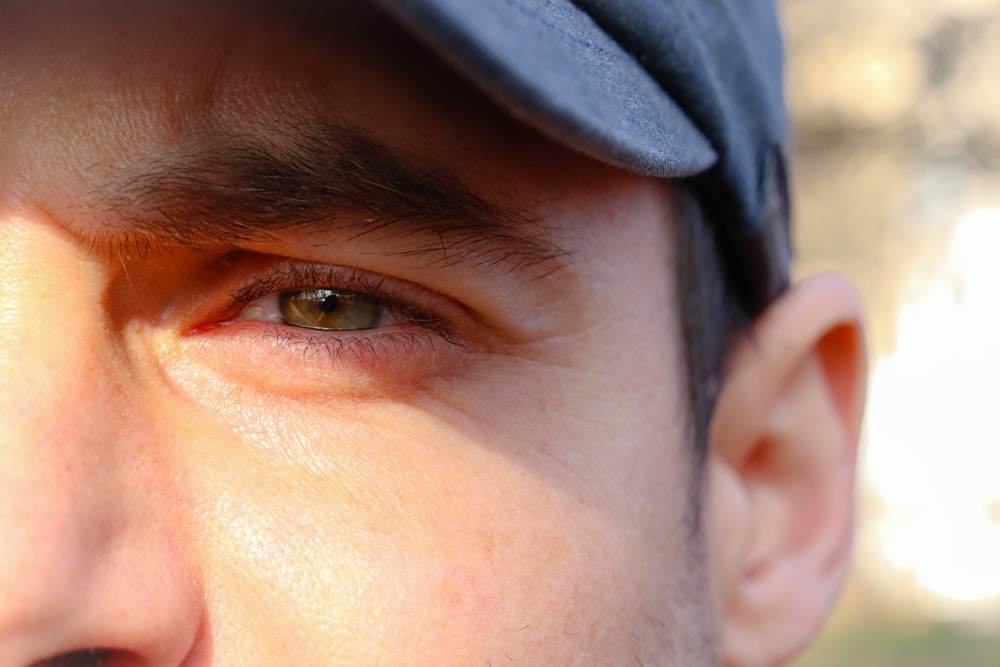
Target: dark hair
(711, 314)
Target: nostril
(93, 657)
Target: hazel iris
(331, 310)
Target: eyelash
(397, 297)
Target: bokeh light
(934, 432)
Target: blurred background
(896, 106)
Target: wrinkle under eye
(331, 310)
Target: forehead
(95, 92)
(92, 86)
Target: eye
(334, 299)
(332, 310)
(287, 326)
(324, 309)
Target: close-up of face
(313, 356)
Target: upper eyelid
(303, 276)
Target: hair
(711, 314)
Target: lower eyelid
(314, 344)
(292, 361)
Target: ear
(783, 449)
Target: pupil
(328, 303)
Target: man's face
(311, 357)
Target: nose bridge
(56, 390)
(51, 375)
(85, 562)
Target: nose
(94, 567)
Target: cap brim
(552, 67)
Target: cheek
(355, 542)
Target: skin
(188, 482)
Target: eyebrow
(334, 180)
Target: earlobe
(781, 471)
